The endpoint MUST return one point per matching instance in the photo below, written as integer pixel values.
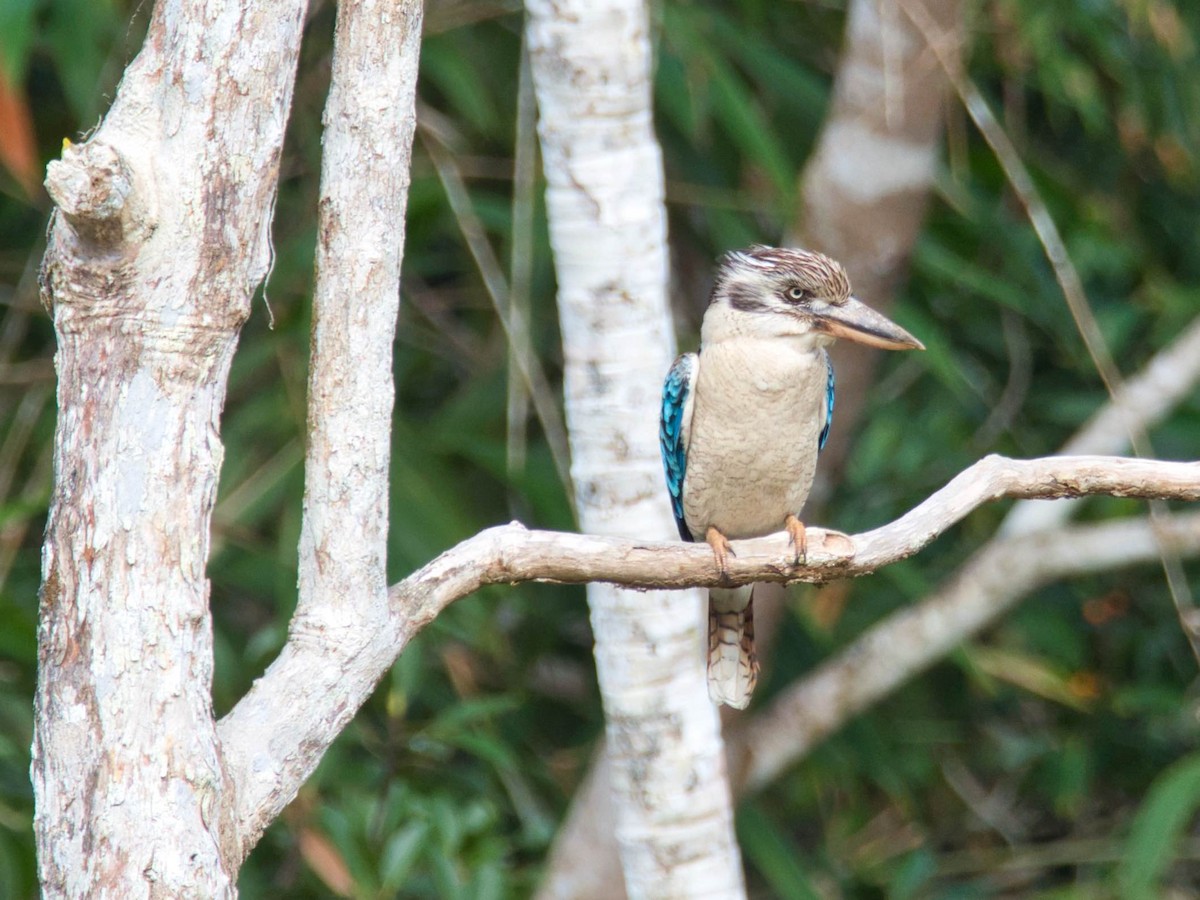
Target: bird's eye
(798, 294)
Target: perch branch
(309, 710)
(910, 641)
(1140, 404)
(510, 553)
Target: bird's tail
(732, 663)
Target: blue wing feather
(671, 433)
(828, 403)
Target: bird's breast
(759, 410)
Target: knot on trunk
(93, 187)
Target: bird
(744, 418)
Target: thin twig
(520, 265)
(516, 330)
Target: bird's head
(776, 292)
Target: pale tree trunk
(604, 197)
(161, 237)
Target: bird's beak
(855, 321)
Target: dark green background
(451, 781)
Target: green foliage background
(1054, 757)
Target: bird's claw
(721, 550)
(799, 540)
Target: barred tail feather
(732, 663)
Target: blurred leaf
(975, 280)
(16, 40)
(735, 110)
(794, 84)
(466, 83)
(18, 153)
(1170, 805)
(1026, 672)
(80, 33)
(912, 878)
(321, 856)
(467, 714)
(772, 855)
(10, 869)
(400, 854)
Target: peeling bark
(160, 236)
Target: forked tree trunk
(604, 197)
(161, 236)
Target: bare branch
(281, 744)
(160, 237)
(343, 543)
(912, 640)
(511, 553)
(1141, 402)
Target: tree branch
(910, 641)
(289, 742)
(369, 125)
(511, 553)
(160, 237)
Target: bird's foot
(799, 540)
(721, 550)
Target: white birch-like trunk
(161, 235)
(887, 106)
(591, 68)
